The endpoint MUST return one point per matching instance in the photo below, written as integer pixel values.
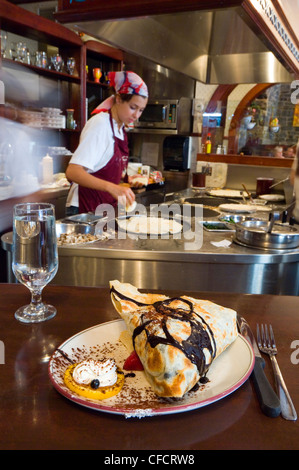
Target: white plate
(238, 208)
(234, 193)
(136, 399)
(272, 197)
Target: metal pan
(256, 233)
(217, 226)
(67, 228)
(86, 218)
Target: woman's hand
(122, 192)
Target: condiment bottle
(47, 168)
(208, 143)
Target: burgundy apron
(90, 199)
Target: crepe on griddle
(176, 339)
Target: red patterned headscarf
(128, 83)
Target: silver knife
(268, 400)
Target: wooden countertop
(35, 416)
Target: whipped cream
(104, 371)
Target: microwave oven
(172, 115)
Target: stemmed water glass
(35, 256)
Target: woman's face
(130, 111)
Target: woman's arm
(79, 175)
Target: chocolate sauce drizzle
(201, 336)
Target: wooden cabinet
(98, 55)
(51, 88)
(46, 87)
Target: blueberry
(95, 383)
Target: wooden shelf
(97, 54)
(105, 50)
(73, 89)
(93, 83)
(43, 71)
(254, 160)
(20, 21)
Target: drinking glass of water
(35, 256)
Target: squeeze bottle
(47, 165)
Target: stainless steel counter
(169, 264)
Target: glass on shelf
(27, 58)
(70, 65)
(41, 59)
(70, 122)
(21, 51)
(97, 73)
(3, 44)
(57, 62)
(13, 51)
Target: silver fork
(266, 344)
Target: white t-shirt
(95, 149)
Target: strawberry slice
(133, 362)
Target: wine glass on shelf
(35, 256)
(70, 65)
(57, 62)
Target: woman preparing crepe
(96, 167)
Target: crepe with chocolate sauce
(176, 339)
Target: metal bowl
(232, 218)
(254, 233)
(86, 218)
(62, 228)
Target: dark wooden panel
(72, 10)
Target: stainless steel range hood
(215, 47)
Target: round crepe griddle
(206, 212)
(208, 201)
